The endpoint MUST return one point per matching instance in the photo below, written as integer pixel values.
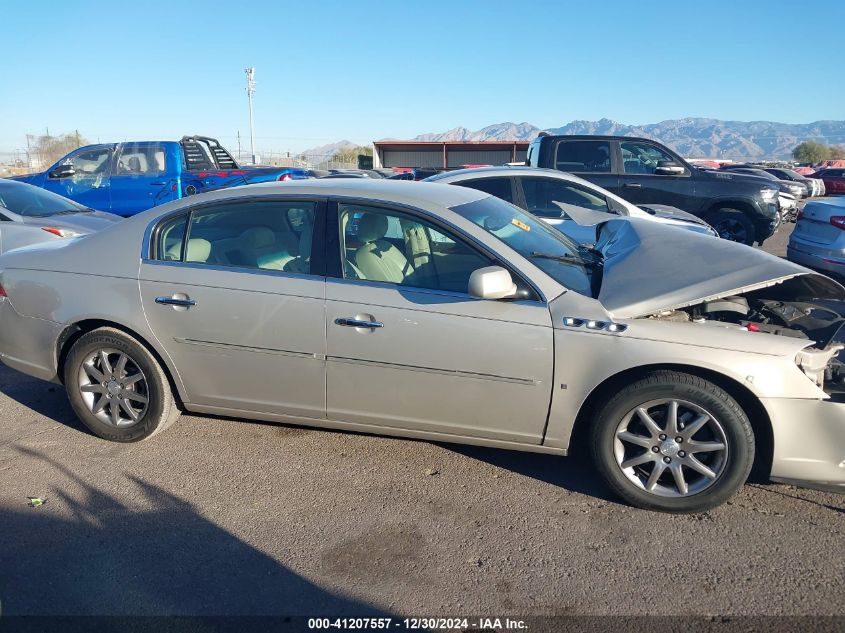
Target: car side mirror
(63, 171)
(491, 282)
(668, 168)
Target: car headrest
(257, 237)
(198, 250)
(372, 227)
(134, 163)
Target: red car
(834, 179)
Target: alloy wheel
(113, 387)
(733, 230)
(670, 448)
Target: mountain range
(690, 137)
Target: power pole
(239, 146)
(250, 90)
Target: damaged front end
(651, 272)
(777, 310)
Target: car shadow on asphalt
(45, 398)
(574, 473)
(85, 552)
(571, 473)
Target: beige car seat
(378, 259)
(198, 251)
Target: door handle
(349, 322)
(157, 184)
(632, 185)
(174, 301)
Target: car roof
(599, 137)
(406, 192)
(457, 175)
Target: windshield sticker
(521, 225)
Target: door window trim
(150, 254)
(334, 262)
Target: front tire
(732, 225)
(117, 387)
(673, 442)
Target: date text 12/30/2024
(415, 624)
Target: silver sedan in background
(539, 190)
(30, 215)
(818, 240)
(443, 313)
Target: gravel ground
(218, 516)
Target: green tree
(811, 152)
(350, 154)
(837, 152)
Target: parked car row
(451, 309)
(740, 207)
(127, 178)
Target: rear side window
(140, 160)
(499, 187)
(267, 235)
(542, 193)
(583, 156)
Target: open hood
(649, 268)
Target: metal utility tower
(250, 90)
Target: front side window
(266, 235)
(583, 156)
(391, 247)
(499, 187)
(642, 158)
(140, 160)
(551, 251)
(542, 193)
(91, 162)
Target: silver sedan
(31, 215)
(442, 313)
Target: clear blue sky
(369, 70)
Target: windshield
(566, 262)
(34, 202)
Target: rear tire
(117, 387)
(732, 225)
(691, 464)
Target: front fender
(585, 359)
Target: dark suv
(741, 208)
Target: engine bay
(778, 310)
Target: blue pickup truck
(127, 178)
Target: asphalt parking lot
(219, 516)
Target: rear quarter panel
(93, 277)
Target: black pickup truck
(741, 208)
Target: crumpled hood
(649, 268)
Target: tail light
(60, 232)
(838, 221)
(285, 177)
(3, 294)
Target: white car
(537, 190)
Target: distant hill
(691, 137)
(330, 150)
(497, 132)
